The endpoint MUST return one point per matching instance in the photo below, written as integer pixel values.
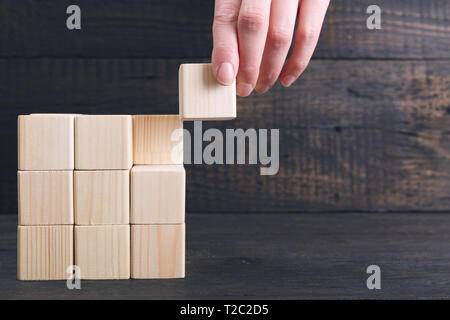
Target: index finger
(225, 55)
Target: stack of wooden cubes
(45, 201)
(158, 183)
(103, 159)
(107, 192)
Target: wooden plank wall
(182, 29)
(365, 129)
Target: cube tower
(45, 201)
(157, 200)
(107, 192)
(103, 159)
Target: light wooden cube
(45, 197)
(46, 142)
(103, 252)
(202, 97)
(157, 251)
(44, 252)
(102, 197)
(158, 194)
(103, 142)
(157, 139)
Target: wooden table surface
(277, 256)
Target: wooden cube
(157, 251)
(157, 139)
(44, 252)
(202, 97)
(102, 197)
(103, 142)
(158, 194)
(45, 197)
(46, 142)
(103, 252)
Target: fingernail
(244, 89)
(262, 88)
(225, 74)
(288, 80)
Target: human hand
(252, 39)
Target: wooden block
(45, 197)
(158, 194)
(152, 139)
(157, 251)
(44, 252)
(103, 142)
(102, 197)
(103, 252)
(46, 142)
(202, 97)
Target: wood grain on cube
(45, 197)
(102, 197)
(158, 194)
(103, 252)
(157, 139)
(46, 142)
(157, 251)
(44, 252)
(201, 97)
(103, 142)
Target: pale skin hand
(252, 39)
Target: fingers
(246, 43)
(225, 55)
(279, 38)
(253, 22)
(310, 19)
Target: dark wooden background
(367, 128)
